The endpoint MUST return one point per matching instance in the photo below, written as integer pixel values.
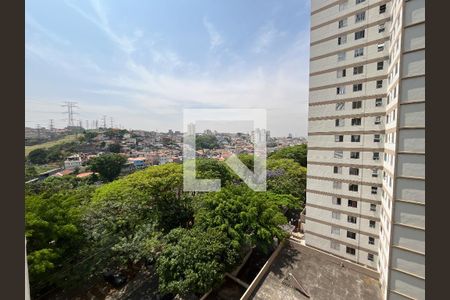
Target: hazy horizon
(142, 64)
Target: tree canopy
(107, 165)
(298, 153)
(206, 141)
(193, 261)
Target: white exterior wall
(399, 214)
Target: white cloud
(267, 35)
(100, 20)
(215, 39)
(33, 24)
(145, 97)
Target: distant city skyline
(142, 64)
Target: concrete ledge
(262, 272)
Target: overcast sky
(142, 62)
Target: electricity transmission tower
(51, 127)
(70, 106)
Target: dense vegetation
(77, 230)
(206, 141)
(298, 153)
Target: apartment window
(341, 56)
(379, 84)
(359, 52)
(380, 65)
(351, 235)
(376, 156)
(337, 201)
(353, 171)
(370, 256)
(382, 8)
(358, 70)
(356, 121)
(342, 23)
(356, 138)
(378, 102)
(357, 87)
(374, 190)
(352, 203)
(342, 40)
(337, 170)
(353, 187)
(340, 106)
(377, 120)
(341, 73)
(359, 1)
(360, 17)
(351, 219)
(338, 154)
(339, 122)
(340, 90)
(380, 47)
(337, 185)
(343, 5)
(350, 250)
(354, 155)
(376, 138)
(371, 240)
(335, 230)
(371, 224)
(381, 28)
(373, 207)
(334, 245)
(374, 173)
(359, 34)
(336, 215)
(356, 104)
(338, 138)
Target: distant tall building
(366, 145)
(191, 129)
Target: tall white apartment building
(366, 146)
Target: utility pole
(70, 106)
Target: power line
(70, 106)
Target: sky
(143, 62)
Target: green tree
(55, 237)
(285, 176)
(298, 153)
(249, 218)
(127, 216)
(90, 135)
(30, 172)
(214, 169)
(114, 148)
(38, 156)
(193, 261)
(206, 141)
(107, 165)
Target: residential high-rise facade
(366, 145)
